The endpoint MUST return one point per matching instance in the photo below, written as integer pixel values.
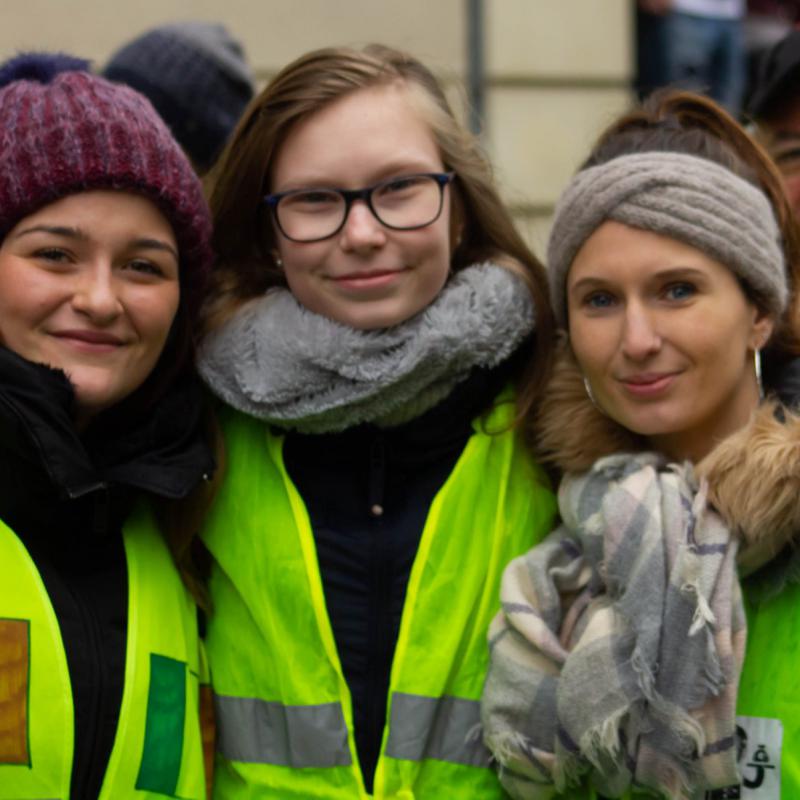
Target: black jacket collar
(45, 462)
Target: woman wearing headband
(371, 329)
(104, 248)
(618, 663)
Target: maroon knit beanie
(63, 130)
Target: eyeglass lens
(408, 202)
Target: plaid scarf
(617, 653)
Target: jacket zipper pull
(377, 475)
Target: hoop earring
(588, 387)
(757, 365)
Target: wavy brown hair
(683, 122)
(244, 238)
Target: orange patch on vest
(14, 651)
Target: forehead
(357, 138)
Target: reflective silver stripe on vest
(442, 728)
(261, 732)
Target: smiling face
(366, 275)
(665, 335)
(89, 285)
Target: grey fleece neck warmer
(280, 362)
(687, 198)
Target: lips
(648, 384)
(368, 279)
(92, 341)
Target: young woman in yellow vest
(104, 246)
(376, 326)
(619, 664)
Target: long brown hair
(683, 122)
(244, 238)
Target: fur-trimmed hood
(753, 476)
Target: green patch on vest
(163, 736)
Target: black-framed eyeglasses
(404, 203)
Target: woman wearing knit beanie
(376, 328)
(619, 662)
(104, 247)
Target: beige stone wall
(557, 70)
(273, 31)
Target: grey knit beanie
(196, 76)
(685, 197)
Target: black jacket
(367, 491)
(66, 497)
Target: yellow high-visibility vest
(157, 750)
(284, 714)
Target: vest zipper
(377, 475)
(89, 624)
(83, 784)
(379, 660)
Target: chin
(646, 423)
(92, 400)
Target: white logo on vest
(759, 753)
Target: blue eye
(680, 291)
(599, 300)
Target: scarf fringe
(599, 745)
(505, 747)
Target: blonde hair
(244, 237)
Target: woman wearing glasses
(372, 332)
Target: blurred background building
(540, 78)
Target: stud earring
(278, 261)
(757, 366)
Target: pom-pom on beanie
(64, 131)
(196, 76)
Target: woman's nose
(362, 230)
(640, 336)
(96, 294)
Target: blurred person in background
(104, 249)
(374, 327)
(197, 77)
(692, 44)
(766, 23)
(775, 109)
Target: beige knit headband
(685, 197)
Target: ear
(762, 328)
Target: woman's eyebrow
(58, 230)
(155, 244)
(589, 280)
(76, 233)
